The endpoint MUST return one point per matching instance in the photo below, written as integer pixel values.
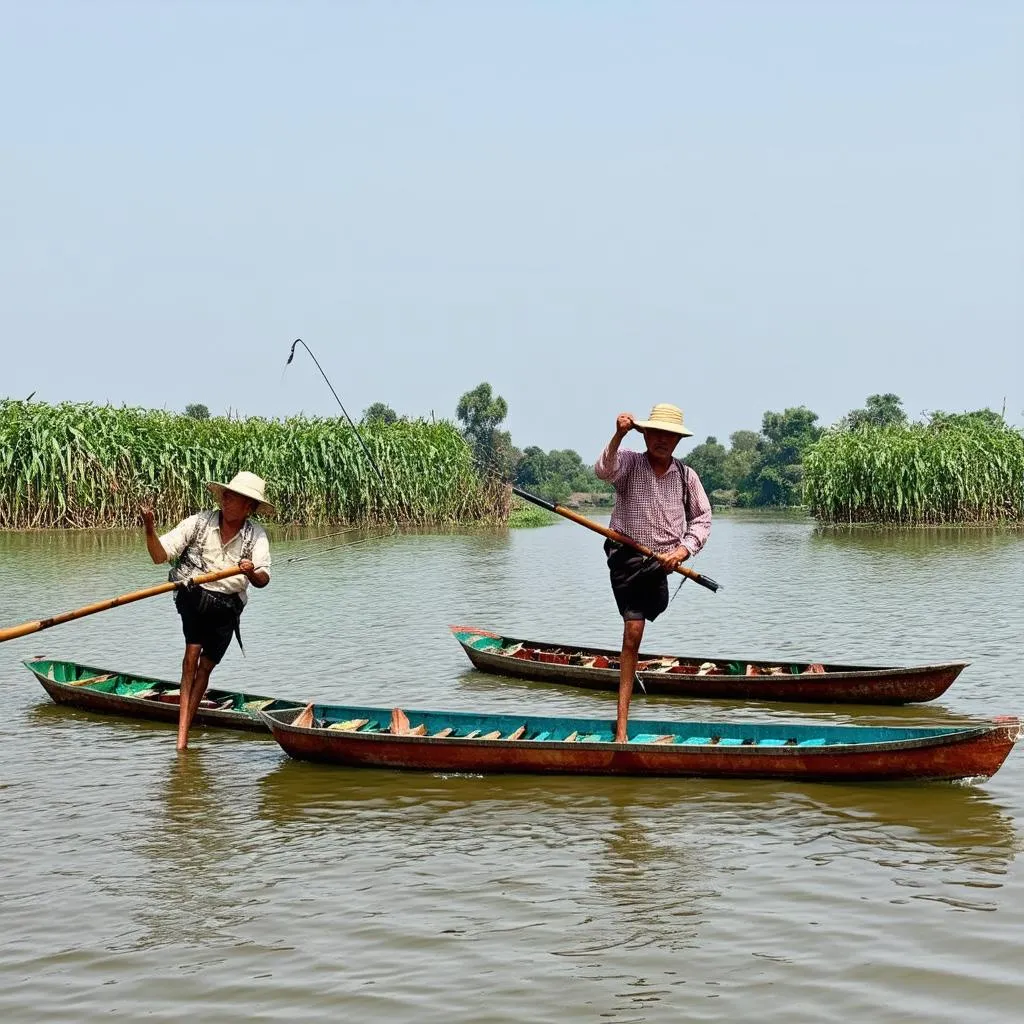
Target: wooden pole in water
(619, 538)
(91, 609)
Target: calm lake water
(231, 884)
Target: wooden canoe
(458, 742)
(112, 692)
(597, 668)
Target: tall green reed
(84, 465)
(917, 475)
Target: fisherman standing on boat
(208, 542)
(659, 502)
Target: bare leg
(189, 667)
(632, 634)
(187, 711)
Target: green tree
(879, 411)
(556, 474)
(979, 418)
(379, 412)
(708, 461)
(740, 460)
(776, 476)
(481, 412)
(196, 411)
(532, 468)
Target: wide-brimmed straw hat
(249, 485)
(665, 417)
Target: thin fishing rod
(314, 540)
(291, 356)
(294, 559)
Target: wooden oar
(90, 609)
(620, 538)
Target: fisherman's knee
(632, 634)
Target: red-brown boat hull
(974, 753)
(855, 685)
(154, 710)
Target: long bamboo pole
(620, 538)
(101, 606)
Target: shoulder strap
(683, 470)
(248, 540)
(202, 528)
(191, 559)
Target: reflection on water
(234, 882)
(953, 542)
(189, 857)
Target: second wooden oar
(620, 538)
(101, 606)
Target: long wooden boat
(458, 742)
(112, 692)
(597, 668)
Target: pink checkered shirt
(651, 509)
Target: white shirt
(215, 554)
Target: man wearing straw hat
(660, 503)
(210, 613)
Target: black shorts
(639, 583)
(208, 619)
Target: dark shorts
(639, 583)
(208, 619)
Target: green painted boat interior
(122, 684)
(363, 720)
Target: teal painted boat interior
(122, 684)
(469, 725)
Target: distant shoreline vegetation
(79, 465)
(873, 467)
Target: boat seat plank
(441, 733)
(541, 736)
(92, 680)
(494, 734)
(304, 719)
(771, 743)
(730, 741)
(517, 733)
(820, 742)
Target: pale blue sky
(594, 206)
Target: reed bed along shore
(82, 465)
(917, 475)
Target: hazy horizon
(594, 207)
